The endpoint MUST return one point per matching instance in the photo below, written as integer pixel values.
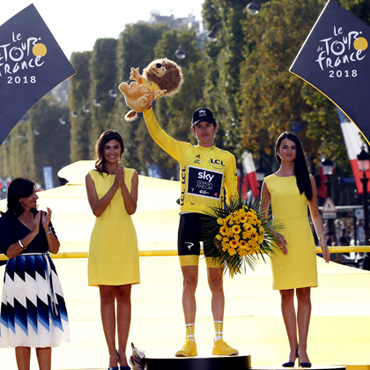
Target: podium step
(199, 363)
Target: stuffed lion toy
(161, 77)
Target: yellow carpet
(340, 324)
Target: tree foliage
(242, 75)
(51, 133)
(78, 99)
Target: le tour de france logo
(20, 57)
(340, 53)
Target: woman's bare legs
(123, 320)
(303, 319)
(23, 357)
(108, 317)
(290, 320)
(44, 358)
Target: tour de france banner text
(31, 64)
(335, 60)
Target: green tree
(272, 100)
(103, 72)
(16, 152)
(78, 99)
(174, 112)
(224, 58)
(51, 137)
(135, 49)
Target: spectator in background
(345, 240)
(360, 233)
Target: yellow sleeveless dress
(113, 251)
(298, 268)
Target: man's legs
(215, 281)
(190, 281)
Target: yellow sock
(190, 329)
(218, 330)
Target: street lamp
(213, 33)
(253, 8)
(327, 169)
(180, 53)
(363, 161)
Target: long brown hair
(301, 166)
(105, 137)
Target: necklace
(26, 221)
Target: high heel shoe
(303, 364)
(291, 363)
(122, 367)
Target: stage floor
(339, 330)
(340, 325)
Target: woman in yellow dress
(113, 263)
(294, 269)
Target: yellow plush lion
(161, 77)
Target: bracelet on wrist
(21, 245)
(48, 232)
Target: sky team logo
(31, 64)
(335, 60)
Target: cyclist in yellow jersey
(207, 172)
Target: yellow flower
(234, 243)
(230, 232)
(232, 252)
(243, 218)
(243, 244)
(218, 237)
(236, 229)
(236, 220)
(221, 221)
(223, 230)
(247, 226)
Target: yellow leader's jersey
(205, 172)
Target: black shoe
(291, 363)
(303, 364)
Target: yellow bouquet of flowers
(240, 235)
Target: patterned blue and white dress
(33, 310)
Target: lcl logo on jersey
(217, 163)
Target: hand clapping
(36, 223)
(46, 217)
(119, 180)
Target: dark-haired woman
(294, 268)
(33, 311)
(113, 263)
